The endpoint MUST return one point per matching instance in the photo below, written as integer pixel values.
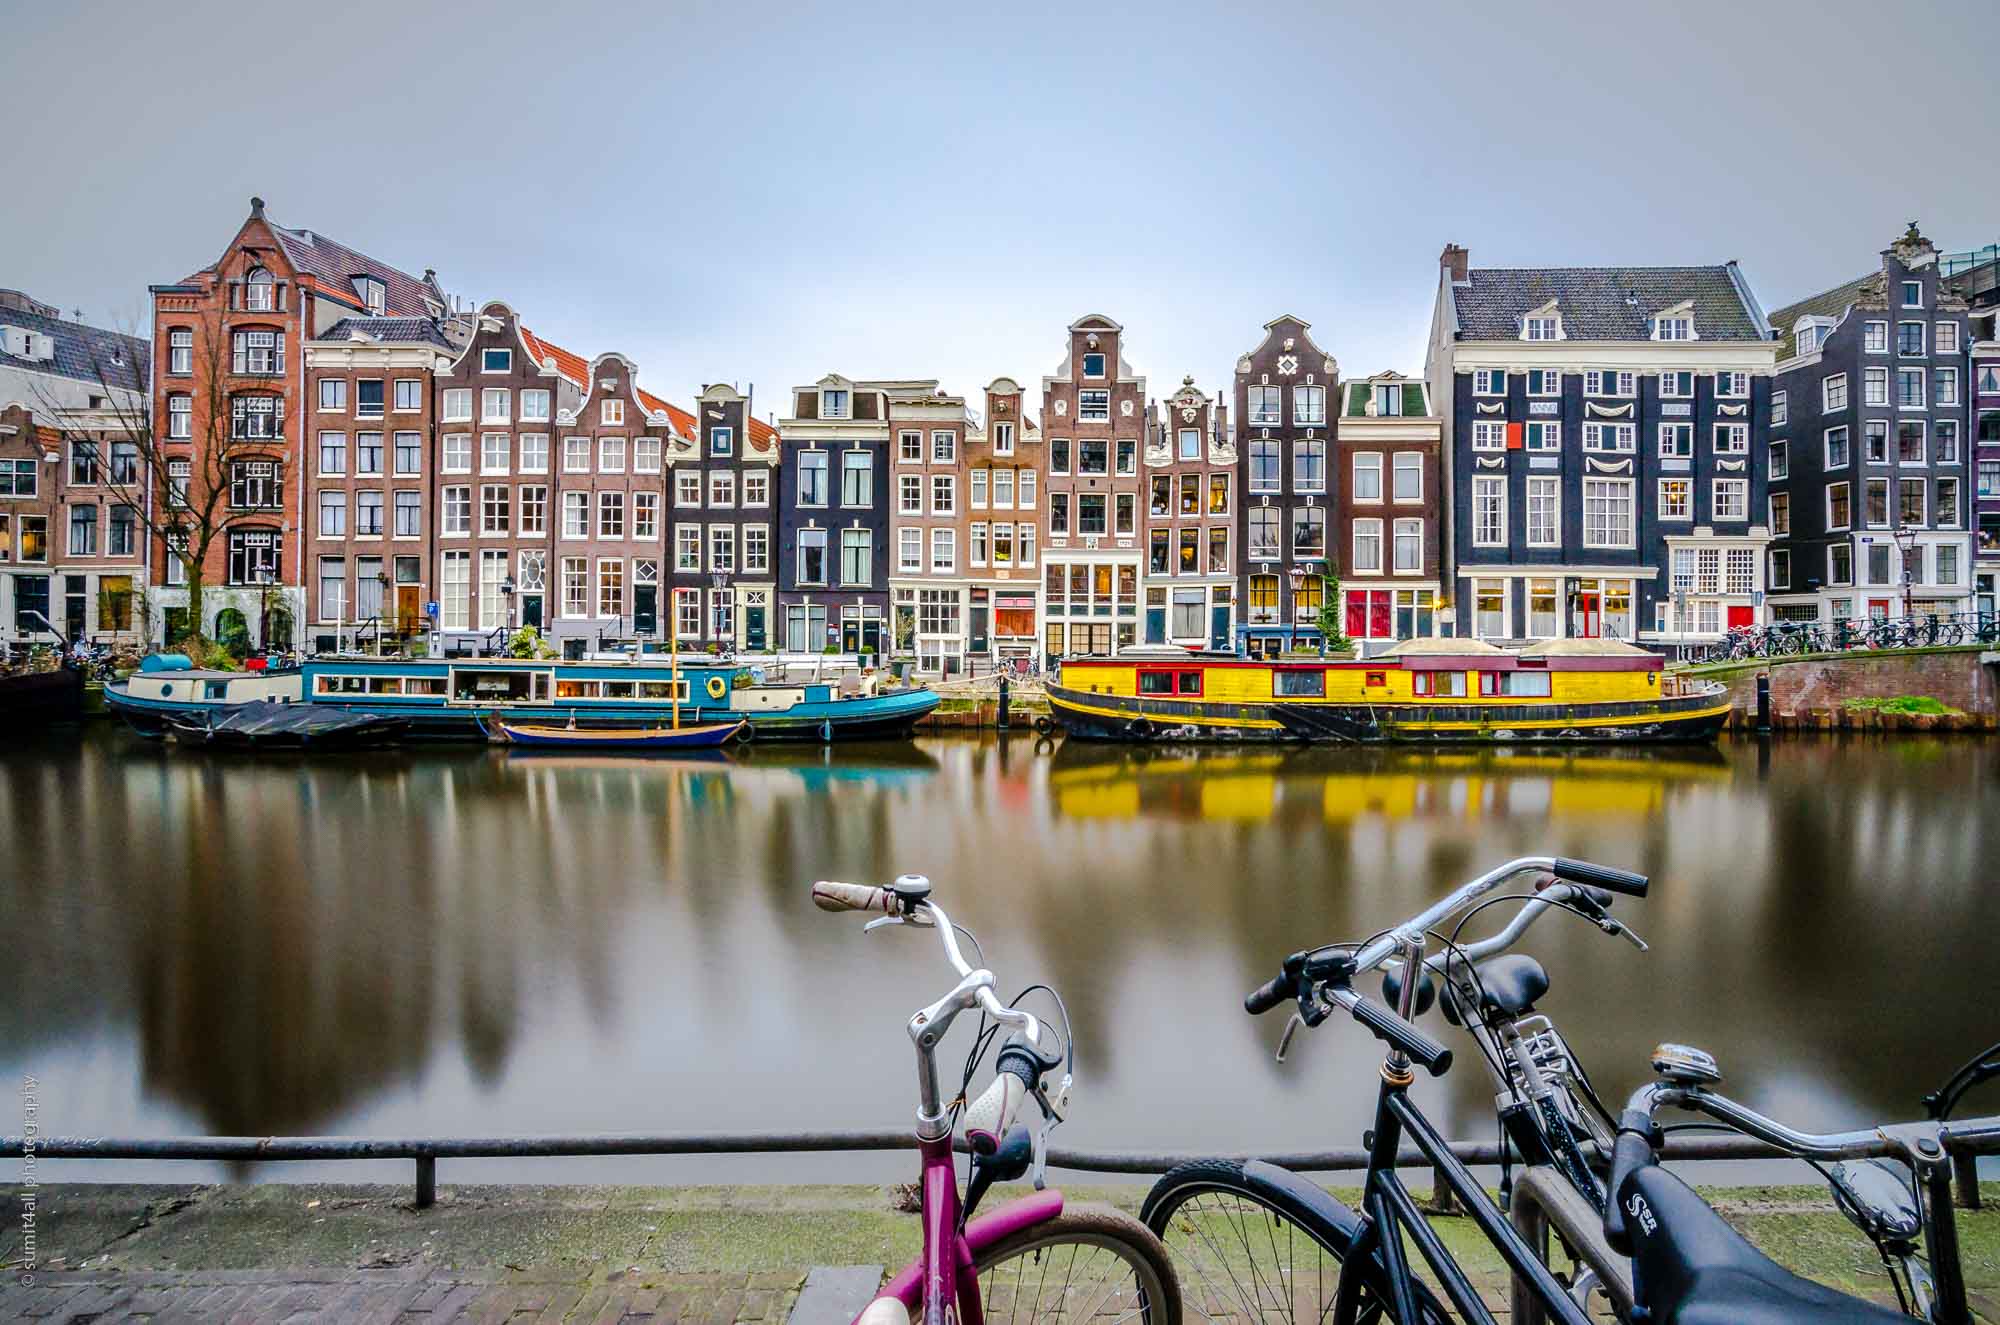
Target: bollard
(427, 1181)
(1965, 1177)
(1001, 721)
(1764, 703)
(1444, 1201)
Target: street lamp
(263, 578)
(1906, 542)
(1296, 573)
(717, 582)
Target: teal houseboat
(449, 699)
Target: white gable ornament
(1243, 364)
(1609, 467)
(1187, 413)
(1287, 363)
(1062, 408)
(1125, 408)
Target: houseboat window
(1515, 684)
(1310, 684)
(342, 685)
(1188, 683)
(619, 690)
(1376, 680)
(663, 690)
(577, 690)
(1156, 683)
(385, 685)
(423, 685)
(1439, 685)
(218, 690)
(495, 686)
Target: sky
(762, 193)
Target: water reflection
(464, 941)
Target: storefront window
(1542, 618)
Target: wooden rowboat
(702, 736)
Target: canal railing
(1787, 639)
(425, 1152)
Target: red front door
(1739, 617)
(1587, 623)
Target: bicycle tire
(1191, 1197)
(1031, 1265)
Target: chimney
(1457, 261)
(256, 207)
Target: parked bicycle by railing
(1037, 1258)
(1782, 639)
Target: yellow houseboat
(1426, 690)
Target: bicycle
(1063, 1262)
(1221, 1217)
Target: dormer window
(496, 361)
(1093, 366)
(1541, 327)
(258, 296)
(1673, 328)
(833, 403)
(613, 412)
(372, 293)
(1388, 399)
(1913, 294)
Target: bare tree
(176, 472)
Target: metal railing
(425, 1152)
(1792, 638)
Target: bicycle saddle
(1511, 984)
(1691, 1268)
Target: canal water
(460, 941)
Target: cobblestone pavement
(407, 1294)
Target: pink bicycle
(1034, 1258)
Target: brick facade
(1189, 520)
(1094, 414)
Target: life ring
(1140, 729)
(717, 687)
(745, 734)
(1043, 726)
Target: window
(1128, 456)
(1910, 502)
(1836, 448)
(756, 548)
(368, 454)
(1158, 553)
(1003, 489)
(943, 494)
(1910, 388)
(1265, 406)
(256, 485)
(944, 446)
(1059, 512)
(1989, 478)
(256, 353)
(1309, 405)
(1946, 502)
(1024, 545)
(1874, 337)
(1093, 365)
(1489, 382)
(910, 550)
(534, 405)
(1946, 338)
(813, 466)
(409, 514)
(645, 515)
(1947, 563)
(1875, 441)
(1093, 406)
(612, 413)
(910, 494)
(1677, 327)
(722, 548)
(1309, 531)
(493, 448)
(180, 417)
(409, 395)
(83, 531)
(1309, 467)
(1266, 465)
(1947, 441)
(1489, 511)
(687, 547)
(1059, 455)
(1190, 444)
(857, 555)
(1732, 385)
(1839, 514)
(646, 455)
(722, 488)
(610, 514)
(857, 478)
(1609, 383)
(944, 551)
(1781, 514)
(1544, 436)
(253, 556)
(457, 510)
(1947, 386)
(368, 401)
(721, 441)
(1732, 439)
(1910, 441)
(1607, 513)
(256, 418)
(332, 514)
(1188, 621)
(576, 515)
(1541, 328)
(1780, 459)
(611, 455)
(1781, 568)
(332, 454)
(687, 489)
(1409, 547)
(1263, 533)
(1126, 507)
(83, 468)
(495, 503)
(1731, 499)
(1367, 485)
(1875, 386)
(1833, 392)
(1090, 513)
(1489, 435)
(180, 351)
(457, 456)
(756, 487)
(1910, 338)
(1676, 440)
(811, 567)
(1409, 477)
(1003, 439)
(975, 549)
(457, 406)
(333, 395)
(1603, 437)
(610, 586)
(1093, 456)
(1676, 499)
(1678, 386)
(1840, 563)
(1876, 499)
(1544, 511)
(1544, 382)
(1367, 551)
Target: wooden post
(1965, 1177)
(427, 1181)
(1444, 1201)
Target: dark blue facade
(826, 597)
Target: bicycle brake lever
(880, 921)
(1292, 1024)
(1627, 933)
(1051, 1115)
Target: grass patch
(1902, 704)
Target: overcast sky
(762, 193)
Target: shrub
(1902, 704)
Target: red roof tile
(577, 370)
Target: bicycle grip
(988, 1117)
(1268, 995)
(1388, 1026)
(830, 896)
(1600, 876)
(1630, 1153)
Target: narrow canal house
(371, 477)
(1094, 414)
(484, 509)
(72, 482)
(1600, 435)
(1006, 465)
(930, 529)
(723, 478)
(1974, 276)
(1190, 470)
(833, 518)
(229, 391)
(1283, 438)
(1868, 445)
(1386, 510)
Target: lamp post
(1297, 575)
(717, 582)
(264, 608)
(507, 588)
(1906, 542)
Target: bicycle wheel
(1245, 1255)
(1089, 1264)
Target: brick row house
(833, 588)
(1974, 276)
(1095, 415)
(929, 533)
(1284, 437)
(1387, 510)
(1599, 427)
(72, 487)
(1190, 522)
(1867, 449)
(1006, 469)
(229, 388)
